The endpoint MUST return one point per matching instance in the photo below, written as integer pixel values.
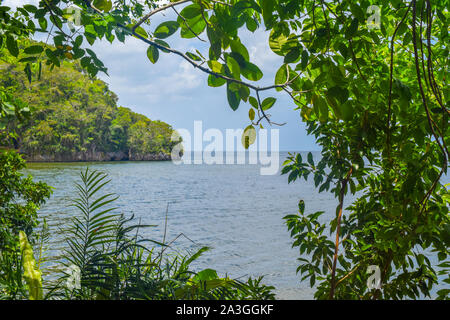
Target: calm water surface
(231, 208)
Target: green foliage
(20, 198)
(73, 114)
(31, 274)
(153, 54)
(380, 143)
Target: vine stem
(424, 102)
(338, 230)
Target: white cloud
(117, 49)
(259, 50)
(174, 86)
(156, 83)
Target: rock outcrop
(96, 156)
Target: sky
(175, 92)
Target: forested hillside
(76, 117)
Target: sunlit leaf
(153, 54)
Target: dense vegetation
(75, 117)
(375, 97)
(20, 199)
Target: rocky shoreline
(96, 156)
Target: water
(231, 208)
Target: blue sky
(174, 92)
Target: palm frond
(92, 229)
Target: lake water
(231, 208)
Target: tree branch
(165, 7)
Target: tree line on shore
(75, 117)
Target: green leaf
(251, 114)
(244, 92)
(343, 50)
(141, 31)
(39, 71)
(78, 53)
(196, 27)
(28, 59)
(166, 29)
(53, 58)
(120, 34)
(233, 96)
(251, 24)
(281, 76)
(320, 108)
(192, 11)
(30, 8)
(193, 56)
(310, 159)
(215, 51)
(347, 110)
(215, 66)
(267, 7)
(31, 274)
(56, 21)
(253, 102)
(153, 54)
(292, 55)
(28, 72)
(293, 176)
(312, 280)
(196, 255)
(233, 67)
(357, 11)
(164, 44)
(200, 54)
(268, 103)
(237, 47)
(301, 206)
(276, 42)
(78, 41)
(43, 23)
(352, 28)
(205, 275)
(104, 5)
(11, 44)
(214, 81)
(251, 72)
(248, 136)
(304, 60)
(339, 93)
(244, 5)
(35, 49)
